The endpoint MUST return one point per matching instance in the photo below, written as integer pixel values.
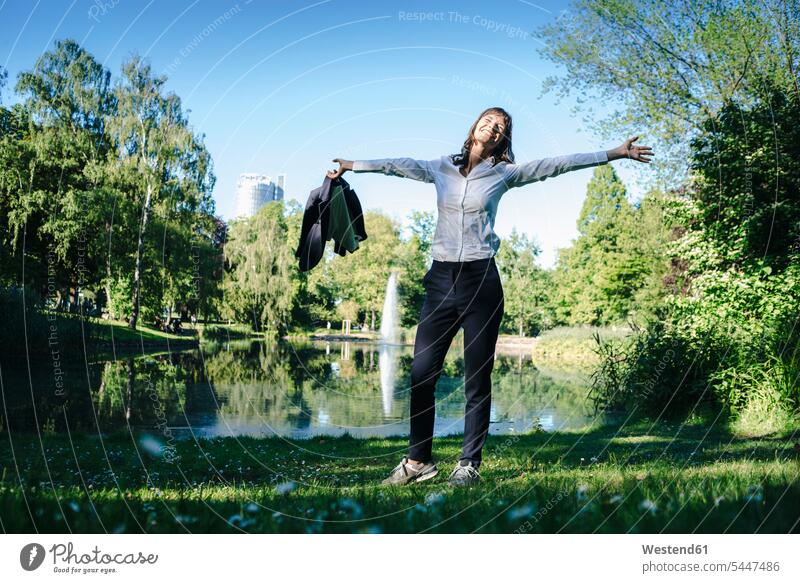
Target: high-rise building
(254, 191)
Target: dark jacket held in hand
(333, 211)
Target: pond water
(291, 389)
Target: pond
(290, 389)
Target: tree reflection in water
(294, 389)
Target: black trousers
(465, 295)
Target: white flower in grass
(185, 519)
(520, 512)
(351, 508)
(434, 498)
(152, 445)
(648, 506)
(285, 488)
(755, 493)
(239, 521)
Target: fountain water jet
(389, 321)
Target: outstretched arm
(522, 174)
(404, 167)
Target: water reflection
(388, 365)
(289, 389)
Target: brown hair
(501, 152)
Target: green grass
(121, 333)
(574, 345)
(611, 480)
(233, 331)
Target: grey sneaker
(465, 474)
(405, 473)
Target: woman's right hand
(344, 166)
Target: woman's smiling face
(489, 130)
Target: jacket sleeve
(522, 174)
(423, 170)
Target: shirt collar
(491, 159)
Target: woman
(463, 288)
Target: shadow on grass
(612, 479)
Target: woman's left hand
(638, 153)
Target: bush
(732, 342)
(28, 329)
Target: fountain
(386, 360)
(389, 316)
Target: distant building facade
(254, 191)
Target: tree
(671, 68)
(162, 165)
(362, 276)
(413, 261)
(259, 264)
(423, 227)
(57, 203)
(3, 77)
(746, 180)
(525, 285)
(597, 278)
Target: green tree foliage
(526, 286)
(258, 286)
(720, 81)
(162, 165)
(601, 278)
(670, 69)
(105, 190)
(3, 77)
(362, 276)
(54, 142)
(746, 180)
(423, 227)
(359, 279)
(415, 260)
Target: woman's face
(490, 130)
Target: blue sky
(285, 87)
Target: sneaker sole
(421, 478)
(427, 476)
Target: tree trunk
(129, 392)
(372, 326)
(108, 274)
(77, 295)
(137, 272)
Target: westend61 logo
(32, 556)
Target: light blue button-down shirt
(468, 206)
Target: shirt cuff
(364, 166)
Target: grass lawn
(636, 478)
(574, 345)
(120, 332)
